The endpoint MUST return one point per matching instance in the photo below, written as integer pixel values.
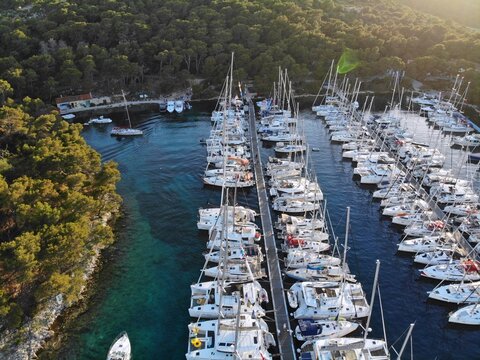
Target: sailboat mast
(407, 337)
(126, 109)
(374, 289)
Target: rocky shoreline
(25, 342)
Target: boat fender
(196, 342)
(201, 301)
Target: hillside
(55, 198)
(63, 47)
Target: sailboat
(122, 131)
(121, 348)
(468, 315)
(242, 338)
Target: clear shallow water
(144, 286)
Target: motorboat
(100, 120)
(170, 106)
(179, 105)
(68, 116)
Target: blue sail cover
(309, 328)
(315, 267)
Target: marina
(228, 180)
(372, 237)
(284, 331)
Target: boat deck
(282, 322)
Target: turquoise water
(143, 287)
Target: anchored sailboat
(122, 131)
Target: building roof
(80, 97)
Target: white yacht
(100, 120)
(250, 252)
(179, 106)
(436, 257)
(462, 293)
(289, 148)
(345, 348)
(320, 273)
(299, 258)
(326, 299)
(466, 270)
(323, 329)
(295, 206)
(426, 243)
(468, 141)
(170, 106)
(121, 348)
(237, 270)
(247, 338)
(468, 315)
(214, 216)
(210, 298)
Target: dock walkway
(282, 321)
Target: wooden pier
(282, 321)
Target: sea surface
(143, 285)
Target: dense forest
(55, 197)
(58, 47)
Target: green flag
(348, 61)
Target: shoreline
(31, 337)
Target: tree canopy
(54, 191)
(60, 47)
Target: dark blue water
(404, 296)
(143, 287)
